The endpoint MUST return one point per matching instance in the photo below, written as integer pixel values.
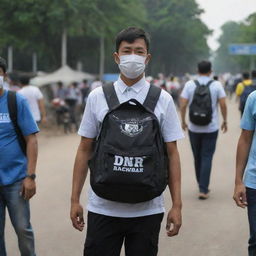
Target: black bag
(248, 89)
(130, 162)
(12, 108)
(200, 109)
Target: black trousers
(106, 235)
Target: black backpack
(130, 162)
(12, 108)
(200, 109)
(247, 90)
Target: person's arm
(243, 148)
(183, 107)
(174, 218)
(42, 110)
(239, 91)
(29, 184)
(223, 109)
(79, 176)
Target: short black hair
(246, 75)
(130, 35)
(253, 74)
(24, 80)
(14, 77)
(3, 64)
(204, 67)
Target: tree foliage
(178, 35)
(235, 33)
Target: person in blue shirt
(17, 170)
(245, 181)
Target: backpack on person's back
(248, 89)
(200, 109)
(130, 162)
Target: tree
(235, 32)
(178, 35)
(37, 25)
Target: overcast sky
(217, 12)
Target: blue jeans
(203, 147)
(19, 213)
(251, 208)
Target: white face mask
(132, 65)
(1, 82)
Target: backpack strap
(209, 83)
(110, 95)
(12, 108)
(196, 82)
(152, 97)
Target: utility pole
(10, 59)
(79, 66)
(64, 48)
(34, 62)
(102, 56)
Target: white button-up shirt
(95, 111)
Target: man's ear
(148, 59)
(116, 58)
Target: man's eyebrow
(137, 48)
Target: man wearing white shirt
(110, 224)
(203, 137)
(34, 98)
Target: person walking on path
(17, 168)
(35, 100)
(72, 99)
(61, 91)
(203, 136)
(112, 223)
(245, 181)
(243, 90)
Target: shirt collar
(136, 87)
(203, 79)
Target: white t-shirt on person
(33, 95)
(217, 92)
(95, 111)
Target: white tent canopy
(65, 74)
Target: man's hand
(184, 126)
(224, 126)
(240, 195)
(44, 120)
(28, 189)
(174, 221)
(77, 216)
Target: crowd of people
(129, 130)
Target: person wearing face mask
(17, 169)
(112, 223)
